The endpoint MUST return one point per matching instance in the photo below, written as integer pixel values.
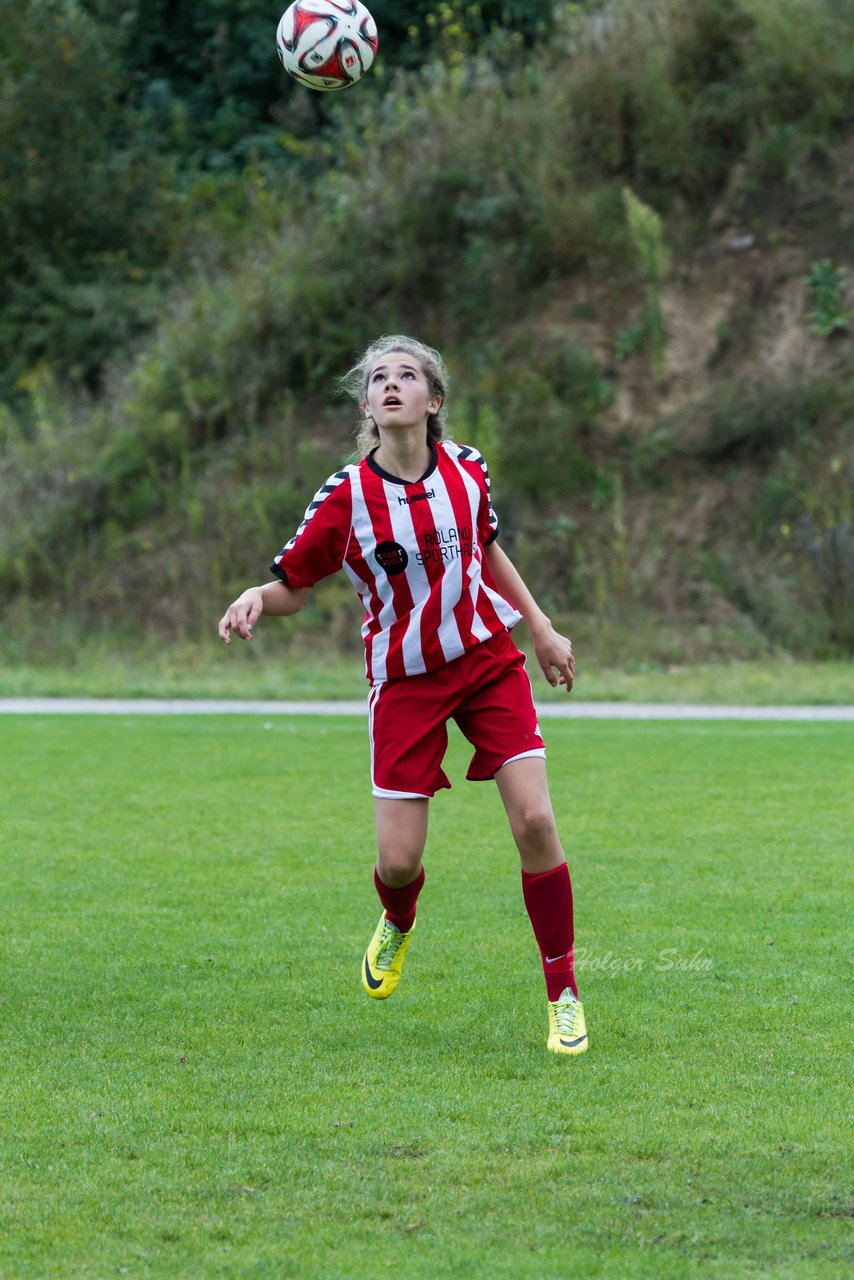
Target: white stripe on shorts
(538, 752)
(398, 795)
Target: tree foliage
(82, 196)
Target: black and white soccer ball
(326, 44)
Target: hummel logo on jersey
(416, 497)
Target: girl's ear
(436, 403)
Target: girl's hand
(241, 616)
(554, 650)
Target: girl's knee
(534, 824)
(398, 867)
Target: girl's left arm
(552, 650)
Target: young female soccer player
(413, 527)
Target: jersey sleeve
(319, 545)
(487, 520)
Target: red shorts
(486, 691)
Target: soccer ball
(326, 44)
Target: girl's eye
(409, 374)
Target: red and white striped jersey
(414, 553)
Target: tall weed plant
(826, 290)
(653, 261)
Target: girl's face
(398, 393)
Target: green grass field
(194, 1084)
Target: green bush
(751, 423)
(668, 95)
(805, 518)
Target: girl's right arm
(273, 598)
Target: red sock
(400, 903)
(548, 898)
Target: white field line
(568, 710)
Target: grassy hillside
(633, 244)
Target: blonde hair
(355, 383)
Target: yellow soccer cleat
(384, 959)
(567, 1028)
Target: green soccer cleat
(567, 1028)
(383, 961)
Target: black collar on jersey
(386, 475)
